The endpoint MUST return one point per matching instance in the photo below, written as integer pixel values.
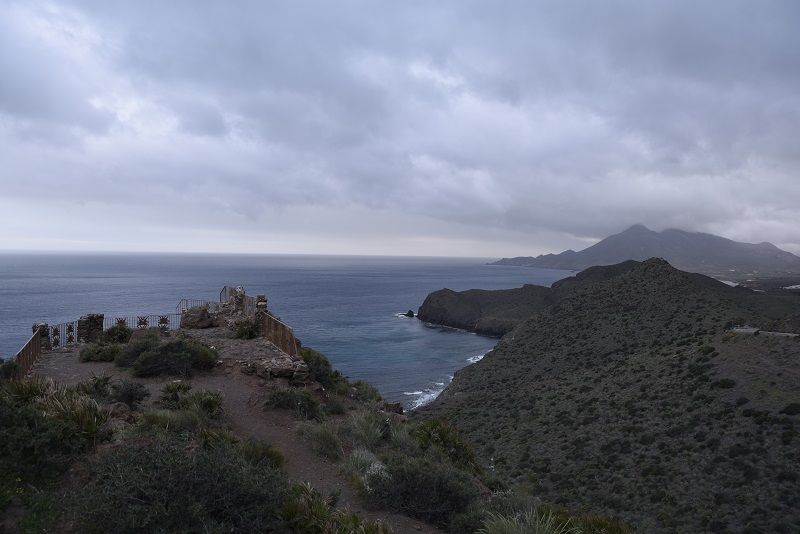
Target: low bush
(131, 393)
(177, 357)
(9, 369)
(246, 329)
(258, 452)
(531, 521)
(364, 392)
(324, 440)
(100, 352)
(167, 485)
(176, 396)
(116, 334)
(134, 349)
(307, 512)
(422, 488)
(97, 387)
(173, 420)
(320, 370)
(367, 428)
(301, 401)
(436, 434)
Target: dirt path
(244, 397)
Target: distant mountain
(688, 251)
(628, 396)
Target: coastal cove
(344, 306)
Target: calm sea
(344, 306)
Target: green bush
(9, 369)
(258, 452)
(100, 352)
(301, 401)
(177, 357)
(307, 512)
(116, 334)
(131, 393)
(422, 488)
(173, 420)
(176, 396)
(134, 349)
(166, 485)
(436, 434)
(532, 521)
(324, 440)
(364, 392)
(35, 446)
(246, 329)
(97, 387)
(320, 370)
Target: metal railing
(280, 334)
(59, 335)
(28, 355)
(227, 293)
(186, 304)
(168, 321)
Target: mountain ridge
(688, 251)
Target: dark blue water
(344, 306)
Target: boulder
(393, 407)
(409, 313)
(196, 318)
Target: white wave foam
(476, 358)
(412, 393)
(429, 394)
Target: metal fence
(167, 321)
(28, 354)
(186, 304)
(62, 334)
(248, 304)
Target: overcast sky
(420, 128)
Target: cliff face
(483, 311)
(628, 397)
(497, 312)
(689, 251)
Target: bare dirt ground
(243, 407)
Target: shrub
(791, 409)
(176, 396)
(246, 329)
(131, 393)
(166, 486)
(97, 387)
(320, 370)
(324, 440)
(364, 392)
(530, 521)
(306, 511)
(367, 428)
(359, 461)
(422, 488)
(134, 349)
(116, 334)
(335, 406)
(9, 369)
(176, 357)
(100, 352)
(436, 434)
(172, 393)
(304, 405)
(257, 452)
(724, 383)
(172, 420)
(34, 445)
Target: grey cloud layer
(545, 123)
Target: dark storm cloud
(497, 128)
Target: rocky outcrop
(196, 318)
(269, 368)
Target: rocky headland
(626, 392)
